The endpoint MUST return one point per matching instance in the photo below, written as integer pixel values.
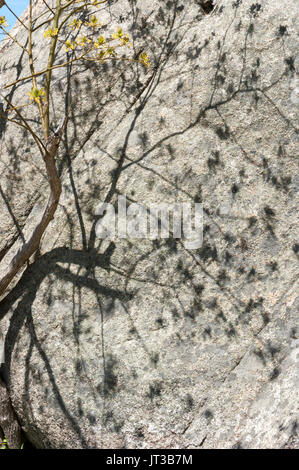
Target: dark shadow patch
(290, 63)
(223, 132)
(155, 390)
(208, 415)
(269, 212)
(275, 373)
(139, 433)
(237, 445)
(260, 355)
(207, 6)
(282, 30)
(234, 189)
(91, 418)
(189, 402)
(255, 9)
(214, 162)
(207, 252)
(110, 378)
(295, 248)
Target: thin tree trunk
(30, 246)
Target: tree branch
(29, 247)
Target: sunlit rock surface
(144, 343)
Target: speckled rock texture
(144, 343)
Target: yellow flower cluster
(3, 22)
(75, 24)
(36, 94)
(50, 33)
(87, 42)
(81, 41)
(4, 444)
(94, 22)
(100, 42)
(69, 45)
(143, 58)
(123, 38)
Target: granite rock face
(135, 343)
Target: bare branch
(44, 1)
(13, 39)
(29, 247)
(50, 145)
(26, 125)
(13, 13)
(51, 57)
(32, 69)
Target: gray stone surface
(144, 344)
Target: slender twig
(51, 57)
(52, 11)
(13, 13)
(13, 39)
(28, 127)
(32, 69)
